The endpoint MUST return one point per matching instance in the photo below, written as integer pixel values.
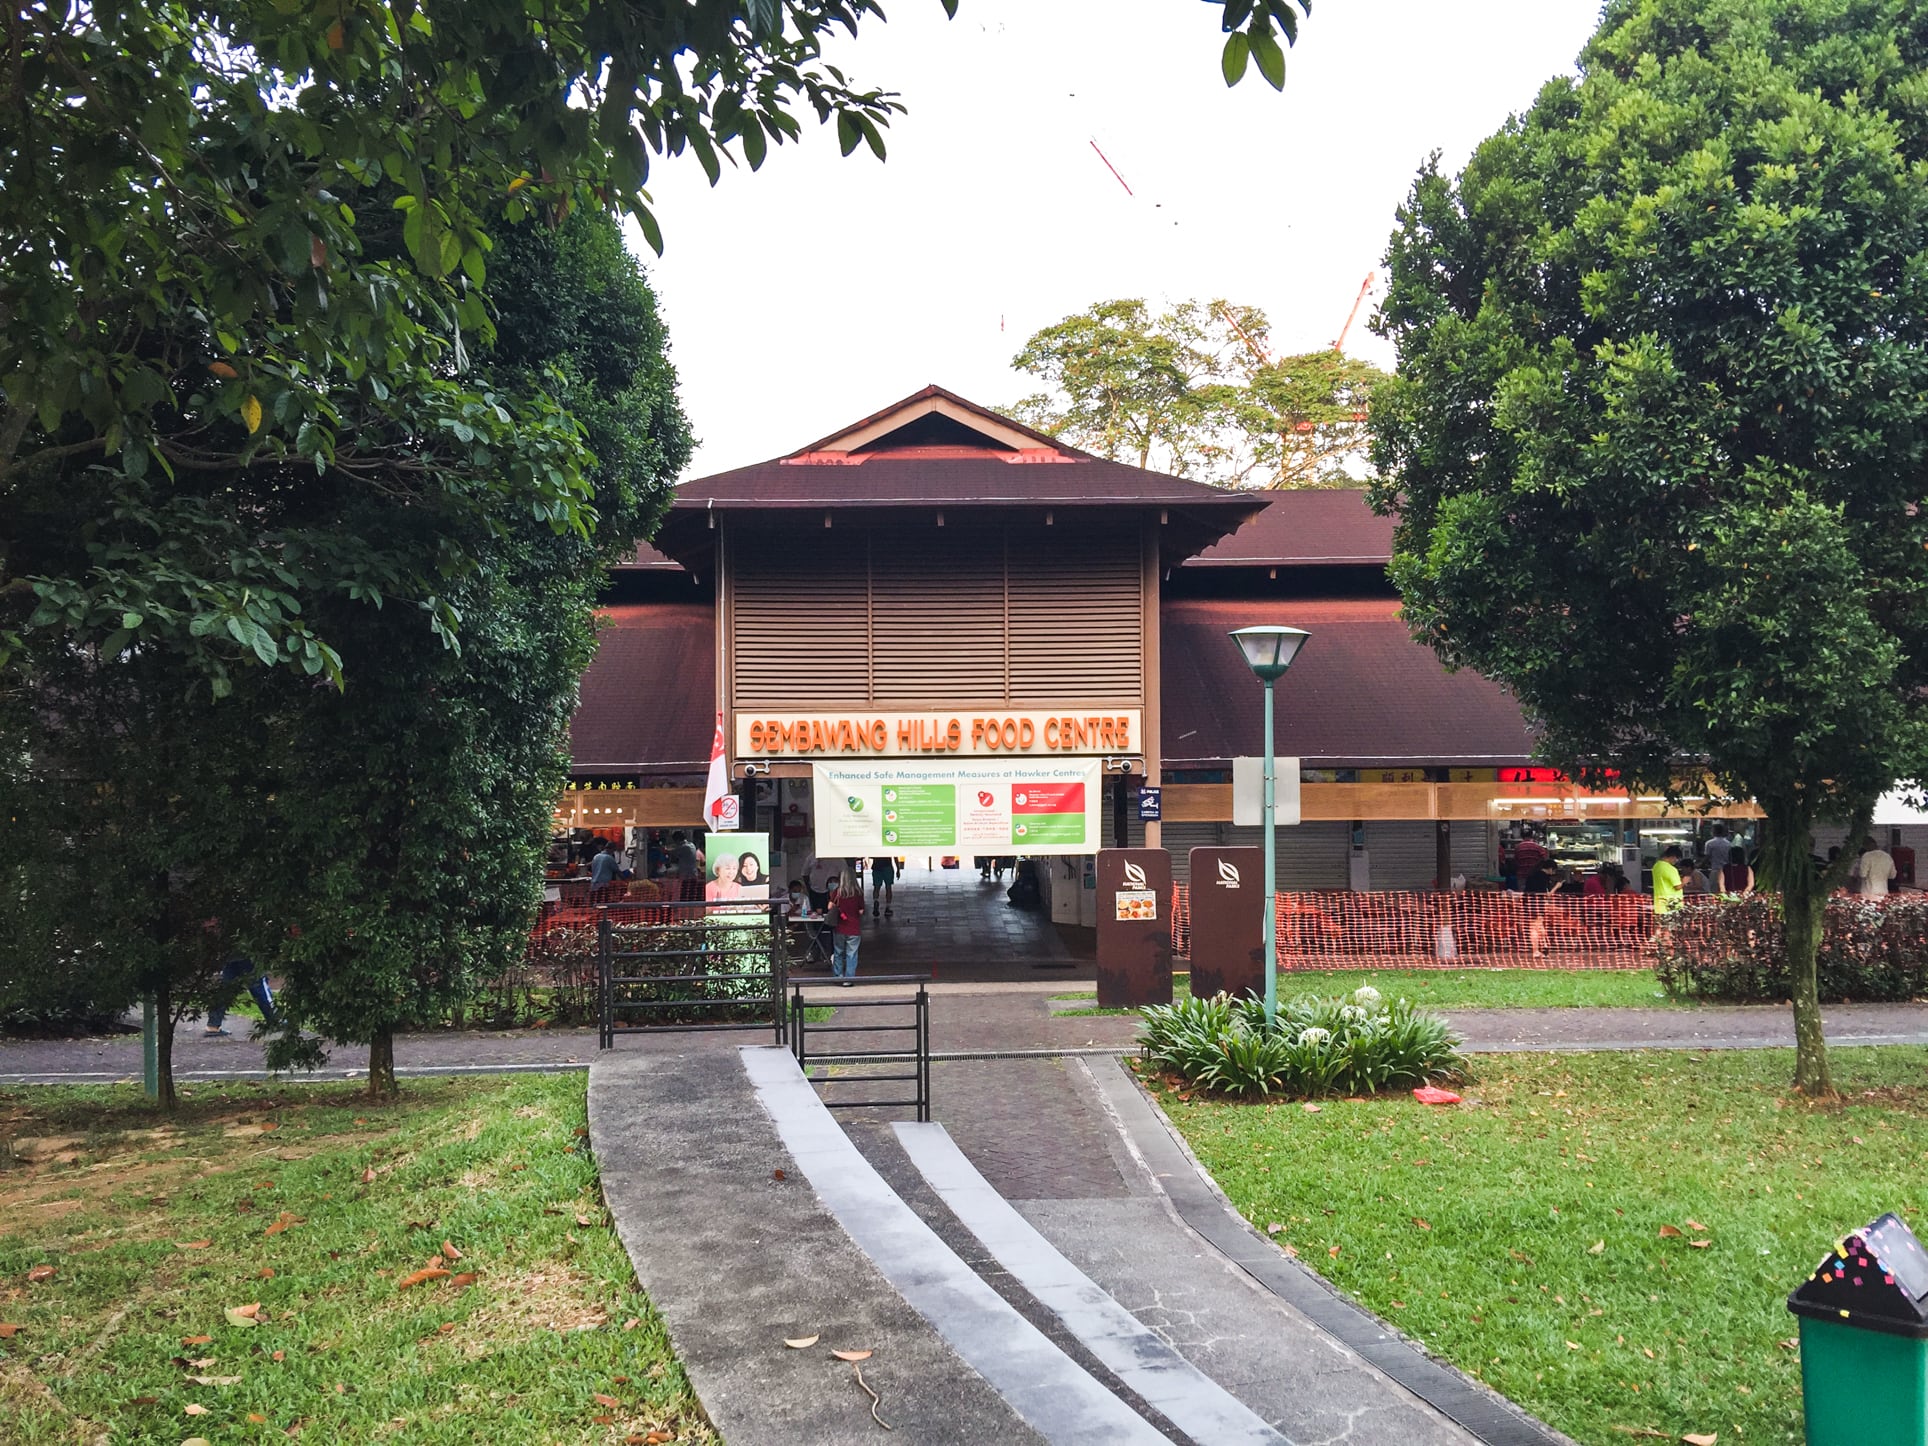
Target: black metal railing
(912, 1064)
(691, 966)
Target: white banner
(964, 808)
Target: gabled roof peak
(935, 422)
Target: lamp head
(1269, 650)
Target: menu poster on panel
(1026, 807)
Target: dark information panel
(1134, 928)
(1228, 922)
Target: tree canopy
(1657, 438)
(1193, 390)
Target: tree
(1656, 442)
(413, 808)
(1194, 391)
(186, 294)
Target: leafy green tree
(190, 308)
(135, 840)
(413, 807)
(1656, 442)
(1193, 390)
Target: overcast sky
(821, 288)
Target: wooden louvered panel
(937, 619)
(797, 617)
(1076, 620)
(965, 617)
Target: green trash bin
(1864, 1340)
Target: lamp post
(1269, 651)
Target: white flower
(1353, 1014)
(1366, 997)
(1314, 1035)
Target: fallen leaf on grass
(463, 1281)
(256, 1418)
(449, 1252)
(602, 1400)
(214, 1380)
(631, 1323)
(243, 1315)
(40, 1273)
(1309, 1108)
(801, 1343)
(1573, 1345)
(195, 1340)
(195, 1408)
(192, 1244)
(585, 1222)
(852, 1355)
(1698, 1244)
(8, 1330)
(1333, 1251)
(1696, 1438)
(431, 1272)
(196, 1441)
(368, 1176)
(282, 1222)
(1696, 1225)
(1274, 1228)
(1421, 1223)
(265, 1273)
(1598, 1247)
(1669, 1232)
(1641, 1431)
(1792, 1343)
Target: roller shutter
(1310, 855)
(1403, 853)
(1182, 838)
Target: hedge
(1733, 949)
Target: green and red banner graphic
(1021, 807)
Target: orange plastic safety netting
(1475, 929)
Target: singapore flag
(719, 802)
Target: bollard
(1864, 1340)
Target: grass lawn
(241, 1272)
(1465, 988)
(1519, 1234)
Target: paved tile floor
(950, 922)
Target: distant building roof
(1361, 693)
(1308, 528)
(647, 696)
(933, 451)
(648, 557)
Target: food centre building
(937, 632)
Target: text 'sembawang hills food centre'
(936, 632)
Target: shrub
(1733, 950)
(1353, 1044)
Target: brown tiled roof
(648, 557)
(1360, 693)
(1306, 528)
(647, 697)
(985, 478)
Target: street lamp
(1269, 651)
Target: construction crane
(1352, 315)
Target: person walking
(883, 885)
(1718, 849)
(682, 857)
(232, 973)
(1667, 886)
(847, 922)
(1876, 868)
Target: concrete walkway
(1057, 1247)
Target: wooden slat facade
(1022, 615)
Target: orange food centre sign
(977, 733)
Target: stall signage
(1039, 807)
(976, 733)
